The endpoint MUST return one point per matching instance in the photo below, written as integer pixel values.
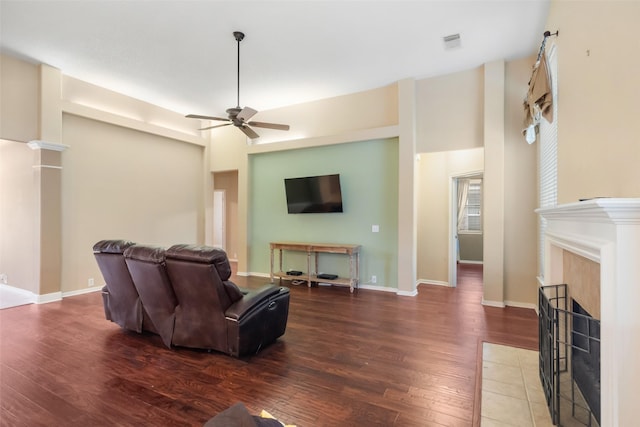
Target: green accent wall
(369, 180)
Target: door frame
(220, 218)
(453, 221)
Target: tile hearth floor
(511, 391)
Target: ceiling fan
(238, 116)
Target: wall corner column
(407, 197)
(47, 250)
(205, 233)
(50, 124)
(493, 203)
(47, 168)
(243, 213)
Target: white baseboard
(245, 274)
(46, 298)
(50, 297)
(57, 296)
(462, 261)
(360, 285)
(82, 291)
(253, 273)
(376, 288)
(433, 282)
(522, 305)
(407, 293)
(499, 304)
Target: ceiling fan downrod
(239, 37)
(238, 116)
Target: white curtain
(463, 191)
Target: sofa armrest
(250, 300)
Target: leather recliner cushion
(147, 267)
(203, 254)
(112, 246)
(212, 256)
(120, 298)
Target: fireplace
(585, 359)
(569, 358)
(607, 232)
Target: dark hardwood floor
(363, 359)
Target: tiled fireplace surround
(597, 243)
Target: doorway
(225, 212)
(465, 223)
(219, 219)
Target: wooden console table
(314, 249)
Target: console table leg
(357, 278)
(271, 265)
(308, 269)
(351, 283)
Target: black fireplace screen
(569, 362)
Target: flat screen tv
(313, 194)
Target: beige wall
(47, 173)
(333, 116)
(435, 171)
(599, 88)
(76, 94)
(229, 152)
(132, 170)
(449, 111)
(494, 183)
(512, 273)
(470, 246)
(356, 117)
(109, 118)
(119, 183)
(18, 215)
(19, 99)
(520, 188)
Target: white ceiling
(182, 55)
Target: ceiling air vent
(452, 41)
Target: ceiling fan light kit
(238, 116)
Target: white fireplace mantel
(606, 231)
(614, 211)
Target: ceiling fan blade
(269, 125)
(246, 113)
(197, 116)
(249, 132)
(216, 126)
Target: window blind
(548, 158)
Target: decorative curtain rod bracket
(544, 42)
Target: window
(548, 155)
(470, 216)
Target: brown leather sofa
(120, 297)
(190, 301)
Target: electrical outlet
(90, 283)
(374, 279)
(3, 278)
